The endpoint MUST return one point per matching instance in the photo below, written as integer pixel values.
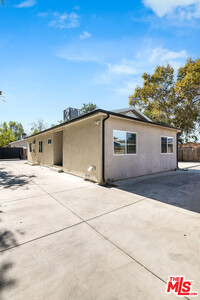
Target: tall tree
(59, 122)
(171, 100)
(38, 126)
(9, 132)
(187, 89)
(6, 135)
(17, 129)
(88, 107)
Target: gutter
(177, 151)
(103, 147)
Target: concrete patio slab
(20, 192)
(95, 200)
(183, 164)
(187, 197)
(163, 240)
(139, 232)
(27, 219)
(55, 187)
(169, 187)
(76, 264)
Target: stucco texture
(46, 157)
(83, 148)
(148, 159)
(76, 147)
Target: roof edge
(66, 123)
(105, 112)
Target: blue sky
(56, 54)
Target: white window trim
(125, 143)
(39, 147)
(168, 137)
(48, 141)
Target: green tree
(10, 132)
(17, 129)
(187, 89)
(38, 126)
(88, 107)
(6, 135)
(169, 99)
(59, 122)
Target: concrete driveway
(64, 238)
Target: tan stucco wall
(58, 148)
(81, 148)
(148, 158)
(46, 157)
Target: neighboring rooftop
(20, 143)
(132, 112)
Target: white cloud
(85, 35)
(65, 20)
(124, 76)
(115, 72)
(125, 68)
(182, 8)
(121, 71)
(76, 7)
(89, 51)
(26, 4)
(126, 88)
(43, 14)
(164, 55)
(75, 54)
(152, 57)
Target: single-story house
(106, 145)
(19, 144)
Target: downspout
(177, 150)
(103, 147)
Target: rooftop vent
(71, 113)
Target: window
(163, 145)
(124, 142)
(40, 146)
(49, 141)
(119, 142)
(131, 143)
(170, 145)
(167, 145)
(30, 147)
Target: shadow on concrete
(7, 240)
(5, 281)
(9, 180)
(179, 188)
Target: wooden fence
(189, 152)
